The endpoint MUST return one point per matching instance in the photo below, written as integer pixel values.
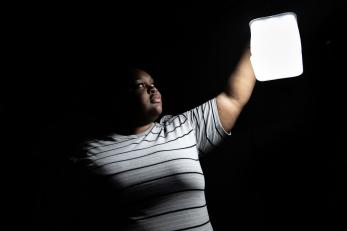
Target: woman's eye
(140, 85)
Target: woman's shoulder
(166, 119)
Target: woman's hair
(107, 87)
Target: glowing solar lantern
(276, 47)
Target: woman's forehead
(142, 75)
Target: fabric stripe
(98, 166)
(205, 124)
(159, 195)
(214, 120)
(174, 211)
(138, 149)
(193, 227)
(159, 178)
(151, 165)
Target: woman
(152, 168)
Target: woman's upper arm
(228, 110)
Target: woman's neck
(141, 129)
(133, 129)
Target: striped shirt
(157, 173)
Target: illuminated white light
(276, 47)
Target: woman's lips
(156, 99)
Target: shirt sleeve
(207, 126)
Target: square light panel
(276, 47)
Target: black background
(284, 165)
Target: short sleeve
(207, 126)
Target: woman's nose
(152, 89)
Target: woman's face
(145, 96)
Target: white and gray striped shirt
(158, 173)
